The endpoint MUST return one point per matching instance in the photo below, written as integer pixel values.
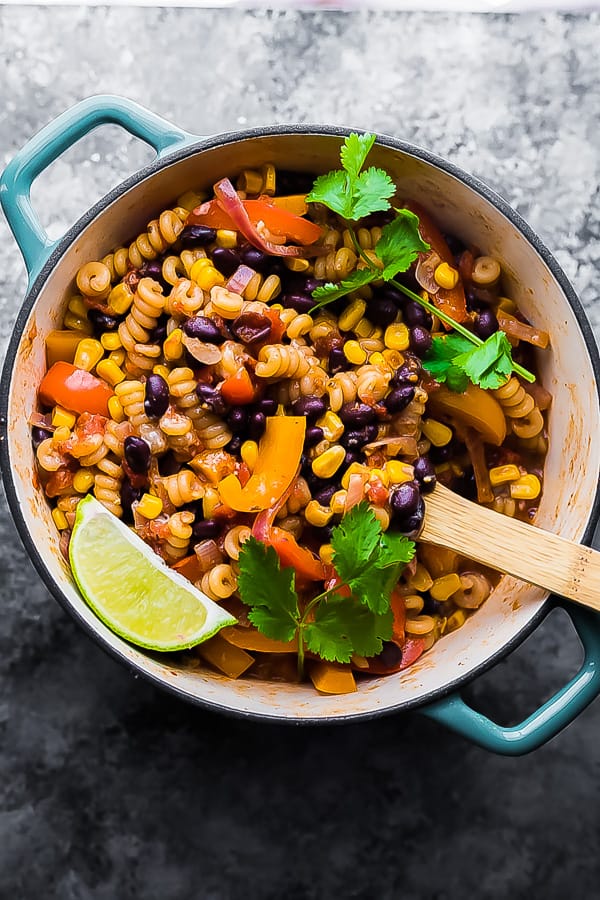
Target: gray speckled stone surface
(110, 790)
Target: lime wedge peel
(132, 590)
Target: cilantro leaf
(329, 292)
(400, 243)
(457, 380)
(269, 590)
(333, 190)
(342, 627)
(490, 364)
(354, 541)
(371, 192)
(439, 360)
(354, 152)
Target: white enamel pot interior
(461, 206)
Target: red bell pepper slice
(75, 389)
(306, 565)
(279, 221)
(238, 389)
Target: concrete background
(111, 790)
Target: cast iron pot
(461, 205)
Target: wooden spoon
(511, 546)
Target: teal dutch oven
(462, 205)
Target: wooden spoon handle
(512, 546)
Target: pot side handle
(547, 721)
(56, 137)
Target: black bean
(382, 311)
(389, 292)
(204, 329)
(159, 333)
(311, 407)
(325, 494)
(390, 656)
(311, 284)
(357, 414)
(205, 529)
(251, 327)
(404, 374)
(313, 435)
(137, 454)
(197, 236)
(168, 464)
(431, 607)
(257, 425)
(486, 324)
(302, 303)
(225, 260)
(152, 269)
(253, 257)
(338, 361)
(414, 314)
(157, 396)
(129, 495)
(101, 321)
(211, 398)
(235, 444)
(425, 474)
(410, 524)
(442, 454)
(404, 499)
(420, 340)
(237, 419)
(399, 398)
(38, 435)
(351, 457)
(267, 405)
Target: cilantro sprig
(352, 194)
(368, 562)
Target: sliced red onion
(37, 420)
(208, 555)
(425, 270)
(230, 203)
(403, 445)
(240, 279)
(356, 490)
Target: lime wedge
(132, 590)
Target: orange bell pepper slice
(279, 453)
(277, 219)
(291, 555)
(75, 389)
(238, 389)
(452, 302)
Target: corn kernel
(62, 416)
(115, 409)
(382, 516)
(150, 506)
(77, 307)
(173, 347)
(421, 580)
(377, 359)
(249, 453)
(354, 468)
(88, 353)
(354, 353)
(198, 266)
(528, 487)
(268, 176)
(209, 277)
(250, 181)
(456, 620)
(326, 554)
(317, 515)
(381, 475)
(120, 299)
(110, 372)
(502, 474)
(436, 432)
(366, 329)
(393, 358)
(83, 480)
(332, 425)
(398, 472)
(226, 238)
(337, 504)
(443, 588)
(60, 520)
(397, 337)
(297, 264)
(446, 276)
(327, 464)
(110, 340)
(118, 356)
(352, 315)
(269, 289)
(161, 370)
(73, 322)
(62, 433)
(210, 501)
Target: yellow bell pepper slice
(279, 453)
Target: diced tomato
(277, 326)
(279, 221)
(238, 389)
(74, 389)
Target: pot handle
(547, 721)
(56, 137)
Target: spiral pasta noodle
(148, 304)
(107, 485)
(520, 409)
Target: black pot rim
(73, 233)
